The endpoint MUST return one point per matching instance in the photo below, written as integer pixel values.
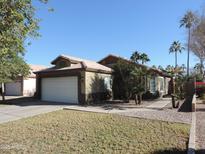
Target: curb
(192, 146)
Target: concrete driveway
(18, 109)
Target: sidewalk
(156, 105)
(159, 104)
(155, 111)
(200, 128)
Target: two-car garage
(60, 89)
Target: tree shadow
(99, 90)
(171, 151)
(179, 151)
(29, 101)
(200, 151)
(186, 105)
(200, 110)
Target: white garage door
(13, 89)
(60, 89)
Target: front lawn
(82, 132)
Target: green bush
(149, 95)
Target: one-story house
(159, 80)
(74, 80)
(23, 86)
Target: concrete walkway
(200, 128)
(14, 112)
(159, 104)
(102, 109)
(156, 105)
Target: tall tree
(197, 68)
(197, 42)
(187, 21)
(175, 48)
(160, 68)
(135, 57)
(144, 58)
(17, 23)
(154, 66)
(183, 67)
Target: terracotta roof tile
(83, 63)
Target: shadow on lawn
(29, 101)
(171, 151)
(177, 151)
(202, 151)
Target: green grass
(82, 132)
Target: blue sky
(92, 29)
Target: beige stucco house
(73, 80)
(157, 82)
(24, 86)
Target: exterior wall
(88, 83)
(21, 87)
(96, 84)
(29, 87)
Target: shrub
(149, 95)
(200, 88)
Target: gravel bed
(166, 114)
(118, 104)
(200, 126)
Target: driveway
(19, 108)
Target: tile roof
(158, 71)
(80, 64)
(35, 68)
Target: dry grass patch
(82, 132)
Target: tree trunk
(140, 98)
(136, 99)
(201, 67)
(188, 52)
(175, 59)
(3, 92)
(173, 102)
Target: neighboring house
(159, 81)
(73, 80)
(24, 86)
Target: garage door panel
(13, 89)
(60, 89)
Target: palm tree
(175, 48)
(160, 68)
(199, 68)
(183, 67)
(144, 58)
(187, 21)
(135, 57)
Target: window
(152, 85)
(161, 81)
(62, 64)
(107, 82)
